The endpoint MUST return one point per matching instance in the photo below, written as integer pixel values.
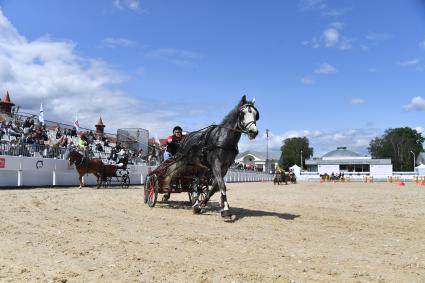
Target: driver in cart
(173, 143)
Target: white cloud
(419, 129)
(331, 36)
(357, 101)
(312, 4)
(325, 69)
(133, 5)
(175, 56)
(337, 25)
(113, 42)
(336, 12)
(314, 43)
(322, 141)
(345, 44)
(307, 80)
(410, 62)
(50, 71)
(375, 36)
(417, 103)
(364, 47)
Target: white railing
(18, 171)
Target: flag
(77, 123)
(41, 114)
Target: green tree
(291, 152)
(398, 144)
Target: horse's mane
(230, 117)
(193, 143)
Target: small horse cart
(115, 174)
(169, 178)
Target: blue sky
(338, 72)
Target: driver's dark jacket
(173, 144)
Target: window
(354, 168)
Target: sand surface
(308, 232)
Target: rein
(233, 129)
(239, 129)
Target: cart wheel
(203, 194)
(145, 198)
(125, 181)
(151, 190)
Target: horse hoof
(226, 214)
(165, 198)
(196, 209)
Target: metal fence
(32, 150)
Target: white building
(343, 160)
(255, 159)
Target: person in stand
(83, 144)
(173, 143)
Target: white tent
(420, 170)
(296, 169)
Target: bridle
(74, 161)
(240, 128)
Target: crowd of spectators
(23, 137)
(246, 167)
(27, 137)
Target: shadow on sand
(239, 213)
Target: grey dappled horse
(216, 148)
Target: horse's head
(72, 155)
(248, 117)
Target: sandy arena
(308, 232)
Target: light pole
(301, 160)
(414, 160)
(267, 151)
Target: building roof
(152, 141)
(100, 122)
(273, 155)
(256, 154)
(6, 99)
(347, 161)
(341, 152)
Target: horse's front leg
(80, 178)
(98, 181)
(225, 213)
(195, 197)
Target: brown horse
(86, 165)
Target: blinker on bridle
(244, 128)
